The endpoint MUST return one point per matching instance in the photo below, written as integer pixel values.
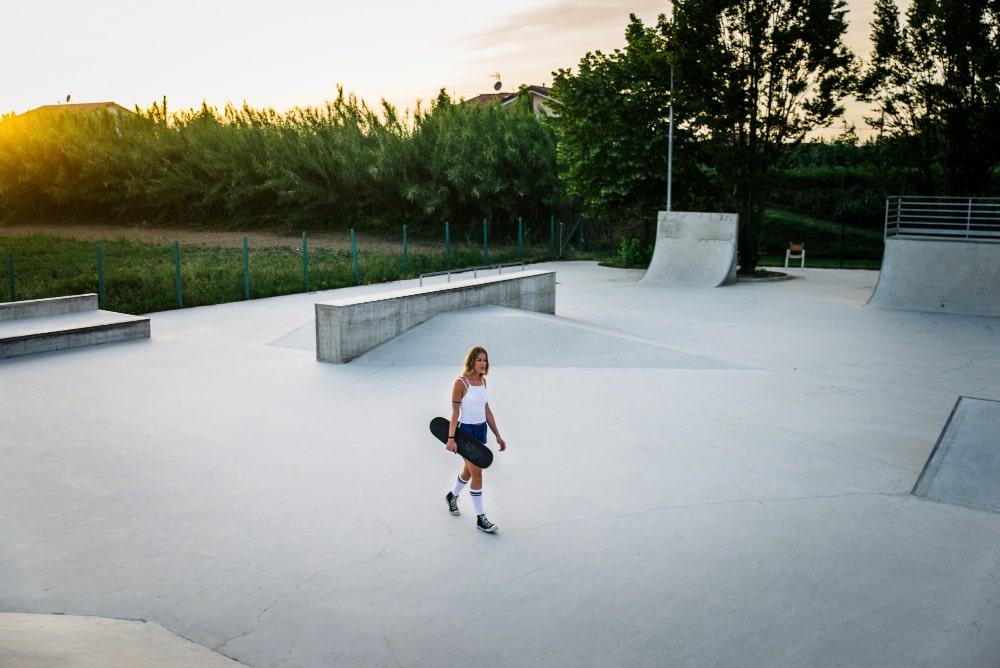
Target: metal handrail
(475, 270)
(930, 216)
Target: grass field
(141, 277)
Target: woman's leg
(476, 487)
(463, 479)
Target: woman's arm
(457, 392)
(493, 426)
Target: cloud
(560, 22)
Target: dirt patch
(215, 238)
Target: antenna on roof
(499, 84)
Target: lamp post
(670, 144)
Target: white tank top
(473, 409)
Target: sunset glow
(295, 53)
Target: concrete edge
(40, 308)
(44, 342)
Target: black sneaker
(484, 524)
(452, 503)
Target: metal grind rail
(475, 270)
(943, 217)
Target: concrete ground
(694, 478)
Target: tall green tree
(612, 123)
(755, 76)
(935, 81)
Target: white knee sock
(459, 486)
(477, 500)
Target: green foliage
(841, 181)
(485, 161)
(335, 166)
(935, 80)
(754, 78)
(633, 253)
(612, 124)
(823, 239)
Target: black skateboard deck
(468, 447)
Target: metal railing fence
(943, 217)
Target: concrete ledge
(71, 330)
(347, 328)
(40, 308)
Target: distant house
(541, 102)
(83, 107)
(488, 98)
(540, 99)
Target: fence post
(552, 235)
(406, 263)
(100, 277)
(968, 219)
(841, 245)
(246, 268)
(10, 276)
(447, 247)
(177, 273)
(520, 239)
(486, 243)
(354, 254)
(560, 239)
(305, 260)
(582, 243)
(885, 234)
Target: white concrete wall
(347, 328)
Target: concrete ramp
(940, 276)
(964, 467)
(694, 250)
(43, 641)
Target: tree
(612, 122)
(485, 161)
(935, 81)
(754, 77)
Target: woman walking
(471, 413)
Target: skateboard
(468, 447)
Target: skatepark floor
(713, 477)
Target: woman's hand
(502, 443)
(451, 445)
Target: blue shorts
(477, 431)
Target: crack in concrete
(387, 527)
(391, 651)
(293, 590)
(229, 640)
(534, 570)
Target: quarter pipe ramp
(940, 276)
(694, 250)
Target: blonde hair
(470, 359)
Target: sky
(290, 53)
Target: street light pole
(670, 144)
